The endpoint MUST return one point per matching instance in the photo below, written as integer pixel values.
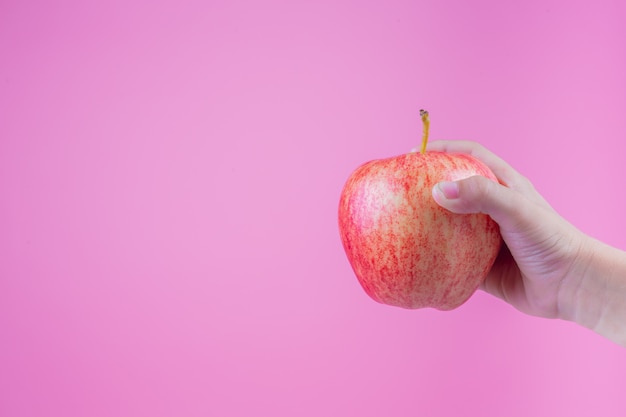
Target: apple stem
(426, 125)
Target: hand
(541, 260)
(546, 267)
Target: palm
(532, 264)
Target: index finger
(505, 173)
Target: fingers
(505, 173)
(504, 280)
(477, 194)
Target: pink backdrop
(169, 180)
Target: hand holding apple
(406, 250)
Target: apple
(404, 248)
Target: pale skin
(546, 267)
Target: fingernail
(449, 189)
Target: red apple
(406, 250)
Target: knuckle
(475, 191)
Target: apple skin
(404, 248)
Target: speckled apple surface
(405, 250)
(169, 179)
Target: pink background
(169, 180)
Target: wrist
(594, 295)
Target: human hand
(546, 267)
(541, 262)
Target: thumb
(478, 194)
